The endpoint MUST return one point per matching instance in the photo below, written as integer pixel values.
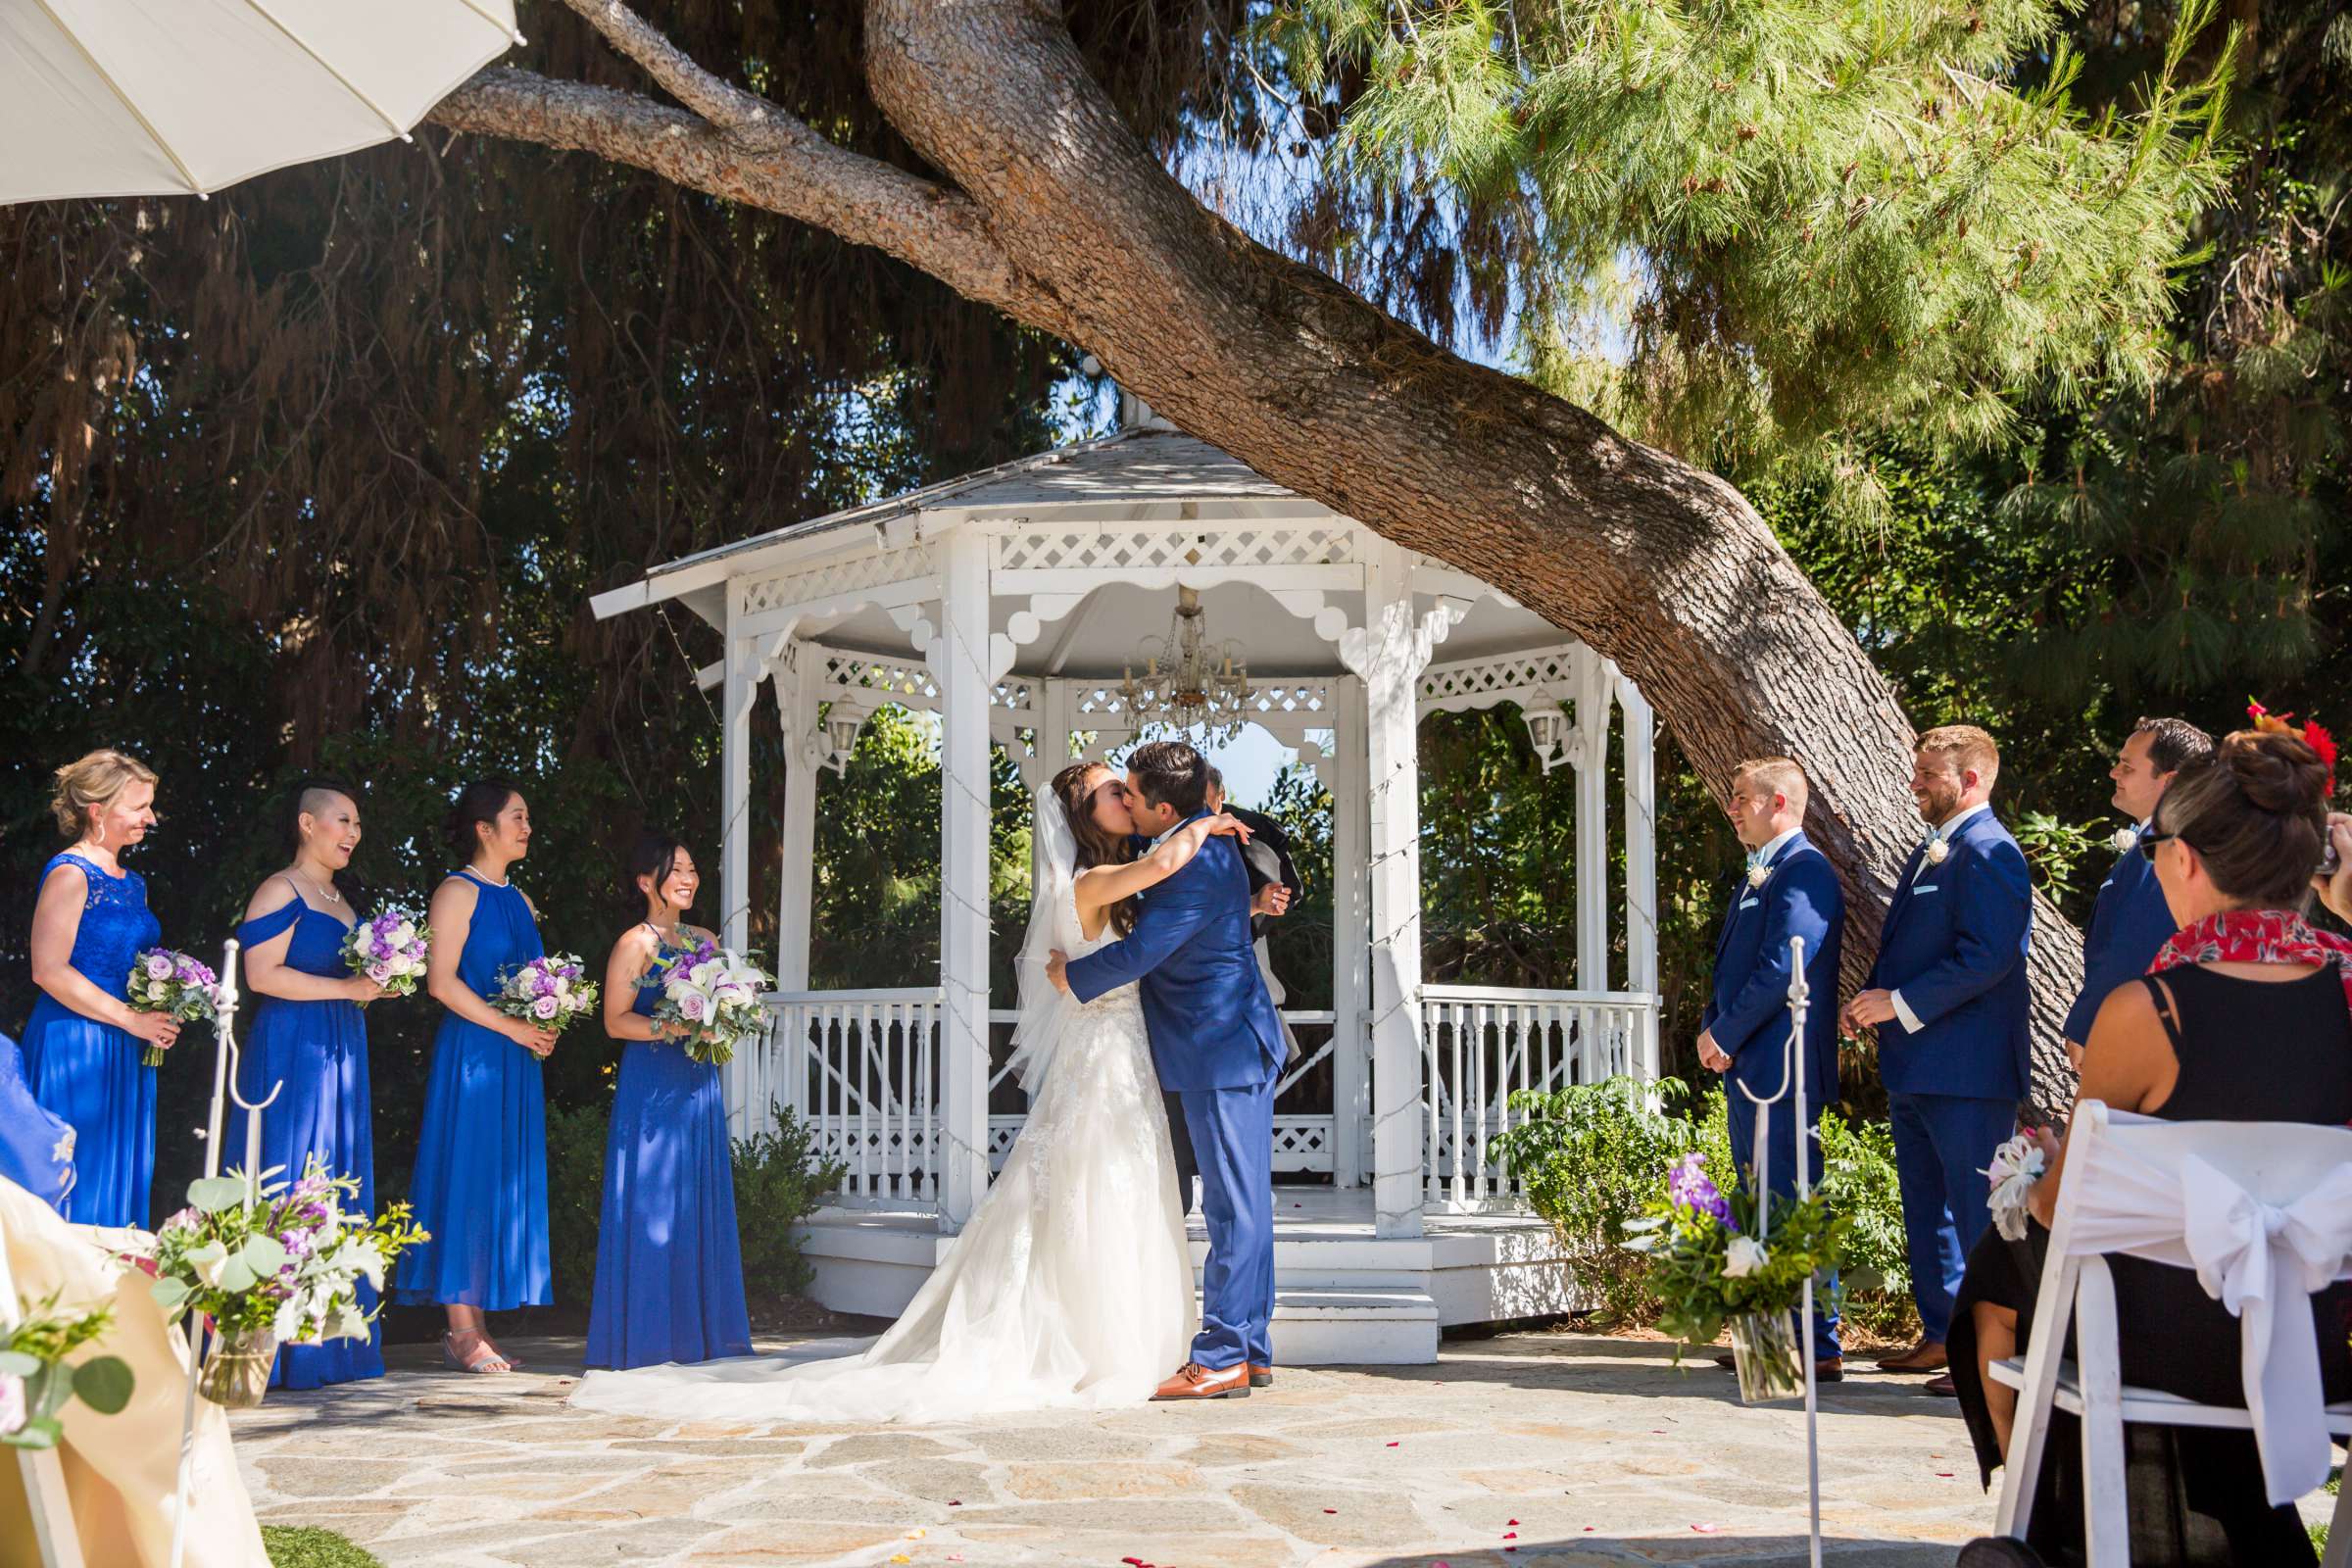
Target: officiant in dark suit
(2131, 921)
(1274, 882)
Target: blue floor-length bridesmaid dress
(315, 1055)
(89, 1074)
(36, 1147)
(668, 1260)
(480, 1186)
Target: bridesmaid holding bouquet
(310, 1039)
(85, 1045)
(668, 1260)
(480, 1186)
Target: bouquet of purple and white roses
(389, 948)
(551, 992)
(714, 992)
(176, 985)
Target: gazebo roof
(1142, 466)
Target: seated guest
(2233, 844)
(2130, 919)
(2335, 886)
(1948, 999)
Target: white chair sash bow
(2260, 1261)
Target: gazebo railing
(860, 1068)
(1481, 1044)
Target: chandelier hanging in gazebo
(1189, 682)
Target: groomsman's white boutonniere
(2123, 839)
(1937, 849)
(1758, 873)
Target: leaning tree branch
(791, 170)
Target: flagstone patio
(1526, 1448)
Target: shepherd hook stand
(1792, 1083)
(224, 1090)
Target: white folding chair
(2131, 1184)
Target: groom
(1218, 1043)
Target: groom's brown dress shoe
(1262, 1377)
(1921, 1357)
(1193, 1381)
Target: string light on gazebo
(1190, 682)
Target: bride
(1072, 1284)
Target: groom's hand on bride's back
(1057, 969)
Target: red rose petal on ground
(1944, 1474)
(1335, 1510)
(1513, 1534)
(1792, 1156)
(1514, 1521)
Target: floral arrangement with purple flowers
(389, 948)
(286, 1263)
(175, 984)
(714, 994)
(552, 992)
(1708, 1262)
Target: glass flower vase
(237, 1374)
(1769, 1359)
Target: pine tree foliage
(1751, 228)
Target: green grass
(290, 1547)
(2319, 1533)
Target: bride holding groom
(1071, 1286)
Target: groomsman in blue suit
(1947, 997)
(1789, 890)
(2130, 919)
(1218, 1043)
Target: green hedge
(1592, 1154)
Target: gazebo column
(740, 689)
(1641, 864)
(1591, 822)
(1350, 936)
(1390, 654)
(959, 659)
(796, 852)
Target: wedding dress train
(1071, 1286)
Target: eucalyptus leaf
(16, 1365)
(214, 1194)
(263, 1255)
(169, 1293)
(237, 1276)
(103, 1383)
(38, 1431)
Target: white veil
(1052, 923)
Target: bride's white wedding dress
(1071, 1286)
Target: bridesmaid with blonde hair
(84, 1046)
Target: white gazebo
(1011, 603)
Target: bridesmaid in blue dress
(310, 1039)
(83, 1044)
(480, 1186)
(668, 1262)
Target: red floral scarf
(2256, 936)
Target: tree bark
(1061, 218)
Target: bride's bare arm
(1100, 885)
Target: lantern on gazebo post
(1549, 732)
(842, 724)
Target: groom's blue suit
(1217, 1041)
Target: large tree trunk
(1061, 216)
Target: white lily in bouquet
(713, 992)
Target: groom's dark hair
(1172, 773)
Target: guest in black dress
(2253, 1033)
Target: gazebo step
(1357, 1327)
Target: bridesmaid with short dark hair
(309, 1040)
(668, 1260)
(84, 1046)
(480, 1187)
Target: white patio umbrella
(171, 97)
